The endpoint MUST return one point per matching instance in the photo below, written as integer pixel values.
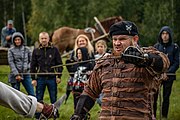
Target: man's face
(165, 36)
(10, 26)
(121, 42)
(44, 39)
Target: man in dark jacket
(165, 44)
(43, 58)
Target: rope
(91, 60)
(71, 73)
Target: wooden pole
(97, 21)
(24, 23)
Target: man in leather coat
(128, 78)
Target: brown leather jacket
(128, 89)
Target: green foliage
(45, 15)
(155, 16)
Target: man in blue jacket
(165, 44)
(6, 34)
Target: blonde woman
(82, 41)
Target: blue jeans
(51, 84)
(26, 83)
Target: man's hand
(18, 78)
(8, 37)
(58, 80)
(133, 55)
(34, 83)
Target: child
(101, 48)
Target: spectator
(166, 45)
(6, 34)
(81, 72)
(43, 58)
(19, 58)
(101, 48)
(81, 41)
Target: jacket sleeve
(160, 62)
(12, 63)
(93, 87)
(33, 64)
(58, 61)
(29, 55)
(3, 35)
(175, 64)
(71, 68)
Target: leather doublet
(126, 91)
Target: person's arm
(11, 62)
(71, 68)
(2, 37)
(150, 58)
(72, 55)
(4, 34)
(24, 104)
(175, 64)
(17, 101)
(58, 61)
(29, 56)
(33, 67)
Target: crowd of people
(125, 83)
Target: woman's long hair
(89, 46)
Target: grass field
(66, 110)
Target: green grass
(66, 110)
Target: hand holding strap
(134, 55)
